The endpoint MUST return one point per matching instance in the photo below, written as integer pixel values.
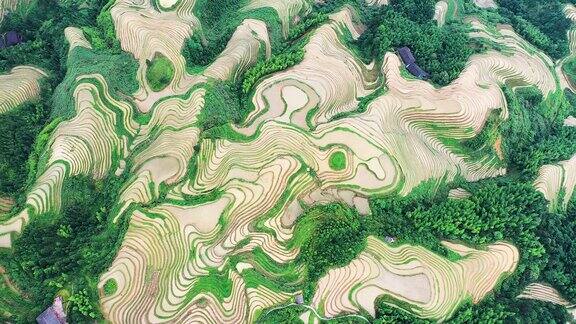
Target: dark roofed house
(410, 63)
(299, 299)
(11, 38)
(48, 317)
(406, 55)
(53, 314)
(417, 71)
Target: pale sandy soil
(75, 37)
(377, 2)
(458, 193)
(570, 121)
(440, 12)
(485, 3)
(168, 3)
(6, 204)
(554, 177)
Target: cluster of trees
(534, 134)
(64, 253)
(103, 35)
(276, 63)
(159, 73)
(222, 105)
(569, 69)
(543, 23)
(119, 71)
(19, 128)
(42, 26)
(335, 235)
(311, 21)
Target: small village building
(54, 314)
(9, 39)
(389, 239)
(406, 55)
(299, 299)
(411, 65)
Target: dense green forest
(543, 23)
(20, 127)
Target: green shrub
(274, 64)
(569, 68)
(159, 73)
(337, 161)
(222, 105)
(543, 23)
(110, 287)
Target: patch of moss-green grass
(337, 161)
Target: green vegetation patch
(276, 63)
(119, 71)
(68, 250)
(222, 105)
(440, 51)
(110, 287)
(160, 72)
(535, 134)
(337, 161)
(542, 23)
(335, 235)
(19, 128)
(569, 69)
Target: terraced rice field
(554, 178)
(219, 258)
(546, 293)
(75, 37)
(431, 285)
(20, 85)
